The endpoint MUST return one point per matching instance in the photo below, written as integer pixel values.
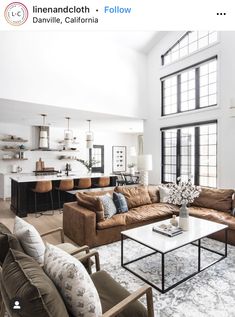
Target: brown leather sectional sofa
(84, 224)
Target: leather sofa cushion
(115, 221)
(153, 211)
(91, 202)
(213, 215)
(111, 293)
(135, 196)
(23, 278)
(218, 199)
(154, 193)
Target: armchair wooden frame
(76, 251)
(144, 290)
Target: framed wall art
(119, 159)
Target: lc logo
(16, 13)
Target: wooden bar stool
(65, 185)
(103, 182)
(42, 187)
(84, 183)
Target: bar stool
(65, 185)
(83, 183)
(42, 187)
(103, 182)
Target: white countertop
(27, 178)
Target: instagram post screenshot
(117, 173)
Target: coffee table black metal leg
(121, 250)
(163, 273)
(226, 243)
(199, 255)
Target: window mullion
(197, 88)
(178, 154)
(197, 156)
(179, 93)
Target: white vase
(184, 218)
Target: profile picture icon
(16, 304)
(16, 13)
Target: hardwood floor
(42, 224)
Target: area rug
(211, 293)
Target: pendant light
(89, 136)
(43, 135)
(68, 135)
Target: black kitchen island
(22, 197)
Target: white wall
(56, 134)
(80, 70)
(225, 50)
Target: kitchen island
(22, 197)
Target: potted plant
(183, 193)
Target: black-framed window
(190, 151)
(192, 88)
(189, 43)
(97, 154)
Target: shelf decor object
(43, 134)
(89, 136)
(119, 159)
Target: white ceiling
(18, 112)
(142, 41)
(24, 113)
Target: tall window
(189, 43)
(190, 151)
(191, 88)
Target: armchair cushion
(30, 239)
(23, 278)
(73, 281)
(7, 241)
(112, 293)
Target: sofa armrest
(79, 224)
(145, 290)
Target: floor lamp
(144, 166)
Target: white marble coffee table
(159, 243)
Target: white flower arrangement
(183, 193)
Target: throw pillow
(23, 278)
(108, 205)
(120, 202)
(92, 203)
(8, 241)
(135, 196)
(154, 193)
(164, 193)
(73, 281)
(30, 239)
(214, 198)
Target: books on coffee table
(167, 229)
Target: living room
(165, 94)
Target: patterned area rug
(211, 293)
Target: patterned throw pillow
(109, 206)
(120, 202)
(73, 282)
(30, 239)
(164, 194)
